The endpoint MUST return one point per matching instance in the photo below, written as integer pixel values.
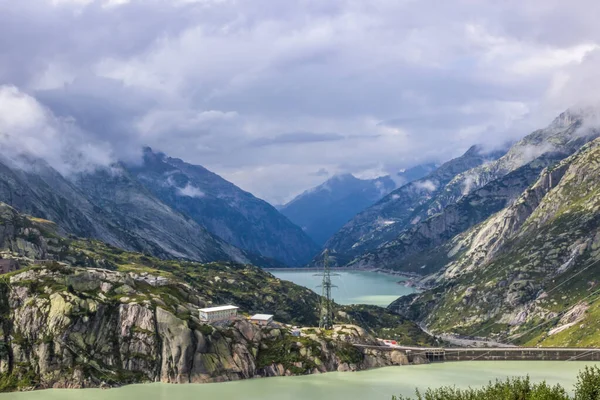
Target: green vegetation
(586, 388)
(299, 355)
(384, 324)
(347, 353)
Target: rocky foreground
(66, 327)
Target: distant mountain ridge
(110, 205)
(157, 208)
(323, 210)
(396, 232)
(400, 208)
(224, 209)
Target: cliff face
(73, 327)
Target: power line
(326, 313)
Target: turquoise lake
(353, 287)
(378, 384)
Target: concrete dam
(440, 354)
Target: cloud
(321, 172)
(427, 186)
(190, 191)
(266, 93)
(297, 137)
(27, 128)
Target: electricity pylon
(326, 316)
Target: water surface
(353, 287)
(378, 384)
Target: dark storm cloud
(365, 87)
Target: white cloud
(427, 185)
(190, 191)
(29, 129)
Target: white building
(262, 319)
(221, 313)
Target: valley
(296, 200)
(503, 247)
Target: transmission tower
(326, 316)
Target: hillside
(235, 216)
(92, 315)
(420, 248)
(528, 273)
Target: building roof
(262, 317)
(219, 308)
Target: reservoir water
(353, 287)
(378, 384)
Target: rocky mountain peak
(224, 209)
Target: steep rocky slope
(92, 314)
(109, 205)
(385, 219)
(235, 216)
(421, 248)
(529, 273)
(73, 327)
(384, 225)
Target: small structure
(8, 265)
(221, 313)
(262, 319)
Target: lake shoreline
(354, 285)
(376, 384)
(344, 269)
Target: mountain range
(225, 210)
(162, 207)
(529, 273)
(452, 198)
(323, 210)
(504, 244)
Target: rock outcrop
(66, 327)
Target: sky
(277, 96)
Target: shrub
(588, 384)
(586, 388)
(516, 388)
